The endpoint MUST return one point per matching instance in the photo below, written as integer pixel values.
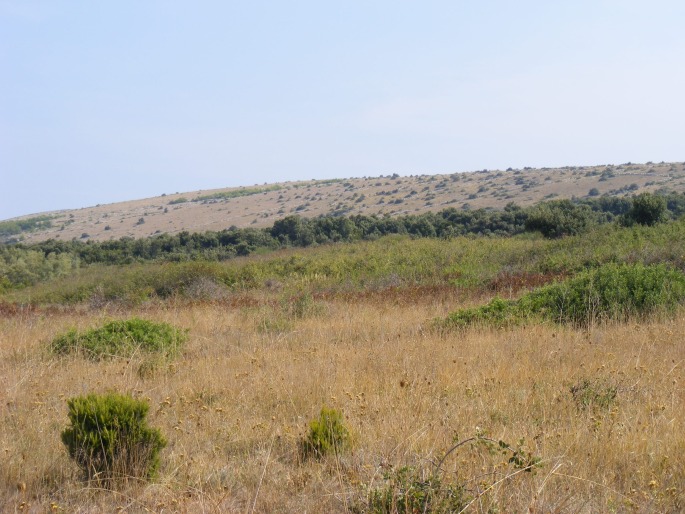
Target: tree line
(22, 264)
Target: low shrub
(611, 292)
(498, 312)
(408, 491)
(109, 438)
(206, 289)
(413, 490)
(121, 338)
(588, 394)
(327, 434)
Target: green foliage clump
(412, 490)
(647, 209)
(21, 268)
(593, 394)
(407, 491)
(121, 338)
(327, 434)
(610, 292)
(498, 313)
(13, 227)
(560, 218)
(109, 438)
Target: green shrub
(407, 491)
(328, 434)
(610, 292)
(413, 490)
(559, 218)
(647, 209)
(109, 438)
(121, 338)
(593, 394)
(498, 312)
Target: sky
(111, 101)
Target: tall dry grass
(237, 401)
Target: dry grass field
(601, 408)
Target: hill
(261, 205)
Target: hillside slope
(260, 206)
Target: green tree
(559, 218)
(647, 209)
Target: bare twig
(261, 479)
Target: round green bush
(121, 338)
(109, 438)
(327, 434)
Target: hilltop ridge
(261, 205)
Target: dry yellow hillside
(392, 195)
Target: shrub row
(553, 219)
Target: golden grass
(240, 397)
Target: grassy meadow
(553, 418)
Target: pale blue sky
(108, 101)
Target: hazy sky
(103, 101)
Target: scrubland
(237, 401)
(260, 206)
(594, 411)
